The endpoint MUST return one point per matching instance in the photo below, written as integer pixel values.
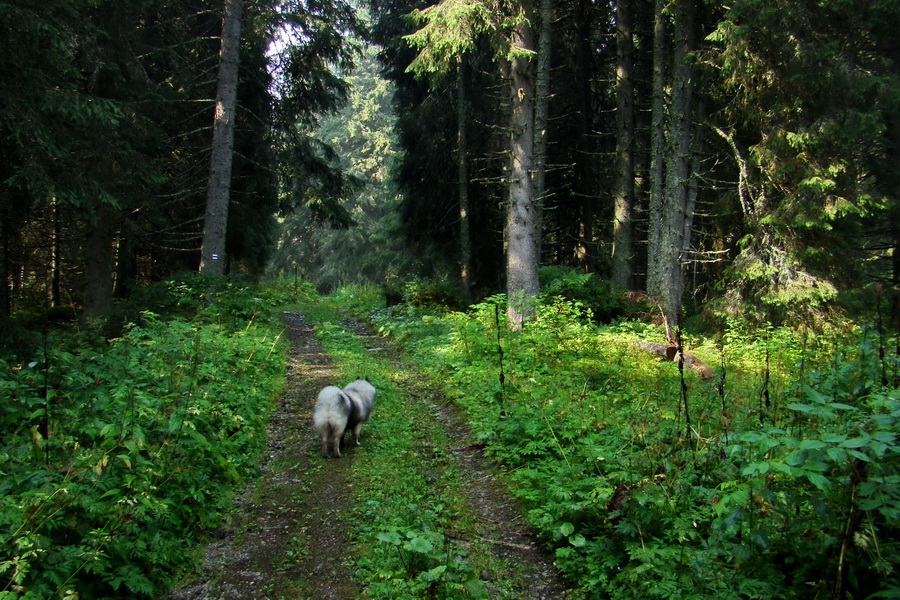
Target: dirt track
(287, 537)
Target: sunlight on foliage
(777, 474)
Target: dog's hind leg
(356, 429)
(338, 438)
(325, 435)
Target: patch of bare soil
(288, 536)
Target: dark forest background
(737, 157)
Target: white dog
(338, 410)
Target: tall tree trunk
(541, 118)
(126, 263)
(623, 224)
(893, 152)
(56, 254)
(465, 236)
(6, 233)
(893, 133)
(98, 274)
(215, 224)
(694, 167)
(584, 184)
(671, 226)
(680, 155)
(655, 274)
(521, 222)
(642, 30)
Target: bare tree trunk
(893, 150)
(671, 225)
(623, 225)
(680, 155)
(55, 254)
(695, 165)
(465, 236)
(893, 216)
(215, 224)
(126, 263)
(521, 223)
(655, 274)
(6, 232)
(584, 179)
(642, 34)
(98, 287)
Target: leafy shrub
(116, 455)
(409, 323)
(429, 562)
(604, 300)
(226, 301)
(826, 484)
(439, 294)
(356, 300)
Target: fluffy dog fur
(338, 410)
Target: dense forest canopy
(107, 126)
(750, 146)
(721, 157)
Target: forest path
(289, 537)
(286, 537)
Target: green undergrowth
(117, 454)
(413, 534)
(777, 477)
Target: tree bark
(585, 181)
(678, 174)
(893, 216)
(55, 254)
(521, 223)
(126, 264)
(623, 227)
(893, 152)
(671, 215)
(655, 281)
(215, 224)
(541, 118)
(98, 287)
(6, 232)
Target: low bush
(118, 454)
(605, 301)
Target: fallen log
(670, 353)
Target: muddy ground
(287, 537)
